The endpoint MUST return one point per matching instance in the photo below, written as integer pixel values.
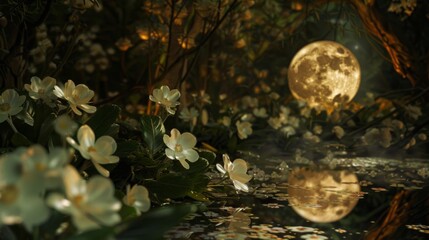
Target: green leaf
(170, 186)
(177, 185)
(198, 196)
(113, 130)
(46, 129)
(208, 155)
(127, 212)
(263, 47)
(153, 130)
(198, 166)
(126, 147)
(103, 119)
(251, 55)
(103, 233)
(41, 114)
(153, 224)
(145, 160)
(20, 140)
(200, 183)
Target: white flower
(226, 121)
(293, 121)
(309, 136)
(24, 176)
(301, 229)
(42, 89)
(237, 172)
(166, 98)
(244, 129)
(91, 204)
(305, 111)
(247, 117)
(288, 131)
(65, 126)
(203, 97)
(313, 237)
(274, 95)
(248, 101)
(10, 104)
(382, 137)
(413, 112)
(260, 112)
(422, 137)
(222, 96)
(339, 131)
(189, 115)
(46, 166)
(99, 152)
(275, 122)
(180, 147)
(317, 129)
(77, 96)
(137, 197)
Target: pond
(335, 197)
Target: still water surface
(336, 197)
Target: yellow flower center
(77, 200)
(92, 149)
(8, 194)
(40, 167)
(4, 107)
(41, 91)
(178, 148)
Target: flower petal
(169, 141)
(59, 202)
(220, 169)
(86, 137)
(239, 166)
(191, 155)
(58, 92)
(184, 163)
(173, 96)
(99, 188)
(82, 94)
(68, 89)
(74, 108)
(226, 162)
(170, 110)
(241, 177)
(104, 172)
(170, 153)
(73, 182)
(240, 186)
(87, 108)
(105, 145)
(187, 140)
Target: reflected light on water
(322, 195)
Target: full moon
(324, 73)
(322, 195)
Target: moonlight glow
(324, 73)
(322, 195)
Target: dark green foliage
(103, 119)
(152, 130)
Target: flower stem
(9, 120)
(219, 182)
